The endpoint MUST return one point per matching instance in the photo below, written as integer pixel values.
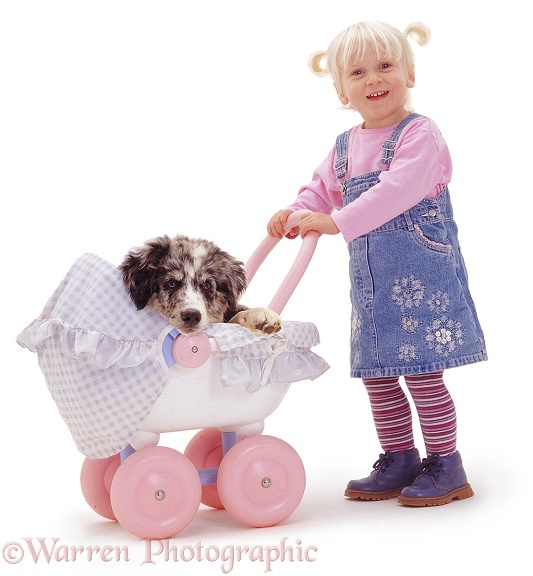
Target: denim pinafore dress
(412, 311)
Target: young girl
(384, 186)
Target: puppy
(191, 283)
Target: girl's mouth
(377, 95)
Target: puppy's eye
(172, 284)
(207, 285)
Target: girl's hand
(321, 223)
(276, 225)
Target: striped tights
(392, 413)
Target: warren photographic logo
(55, 551)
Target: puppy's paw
(260, 320)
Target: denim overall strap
(341, 147)
(389, 145)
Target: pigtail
(419, 32)
(315, 63)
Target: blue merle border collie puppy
(192, 283)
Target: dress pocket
(432, 236)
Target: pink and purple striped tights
(392, 413)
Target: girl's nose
(373, 79)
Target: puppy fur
(191, 283)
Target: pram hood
(103, 364)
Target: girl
(384, 186)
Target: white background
(120, 121)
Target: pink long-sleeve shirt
(420, 169)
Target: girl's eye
(385, 65)
(357, 72)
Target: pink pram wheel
(156, 493)
(205, 451)
(96, 477)
(261, 481)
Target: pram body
(121, 377)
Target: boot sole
(458, 494)
(372, 496)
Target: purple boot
(441, 479)
(392, 472)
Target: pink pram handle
(296, 271)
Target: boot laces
(431, 465)
(383, 462)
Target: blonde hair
(350, 45)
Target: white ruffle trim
(283, 368)
(252, 360)
(90, 346)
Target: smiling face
(377, 88)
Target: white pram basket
(120, 377)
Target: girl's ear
(341, 96)
(411, 79)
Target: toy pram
(120, 377)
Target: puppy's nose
(191, 317)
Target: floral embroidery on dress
(408, 293)
(444, 335)
(439, 302)
(410, 323)
(407, 352)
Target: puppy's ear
(232, 281)
(141, 268)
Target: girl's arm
(420, 168)
(321, 196)
(322, 193)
